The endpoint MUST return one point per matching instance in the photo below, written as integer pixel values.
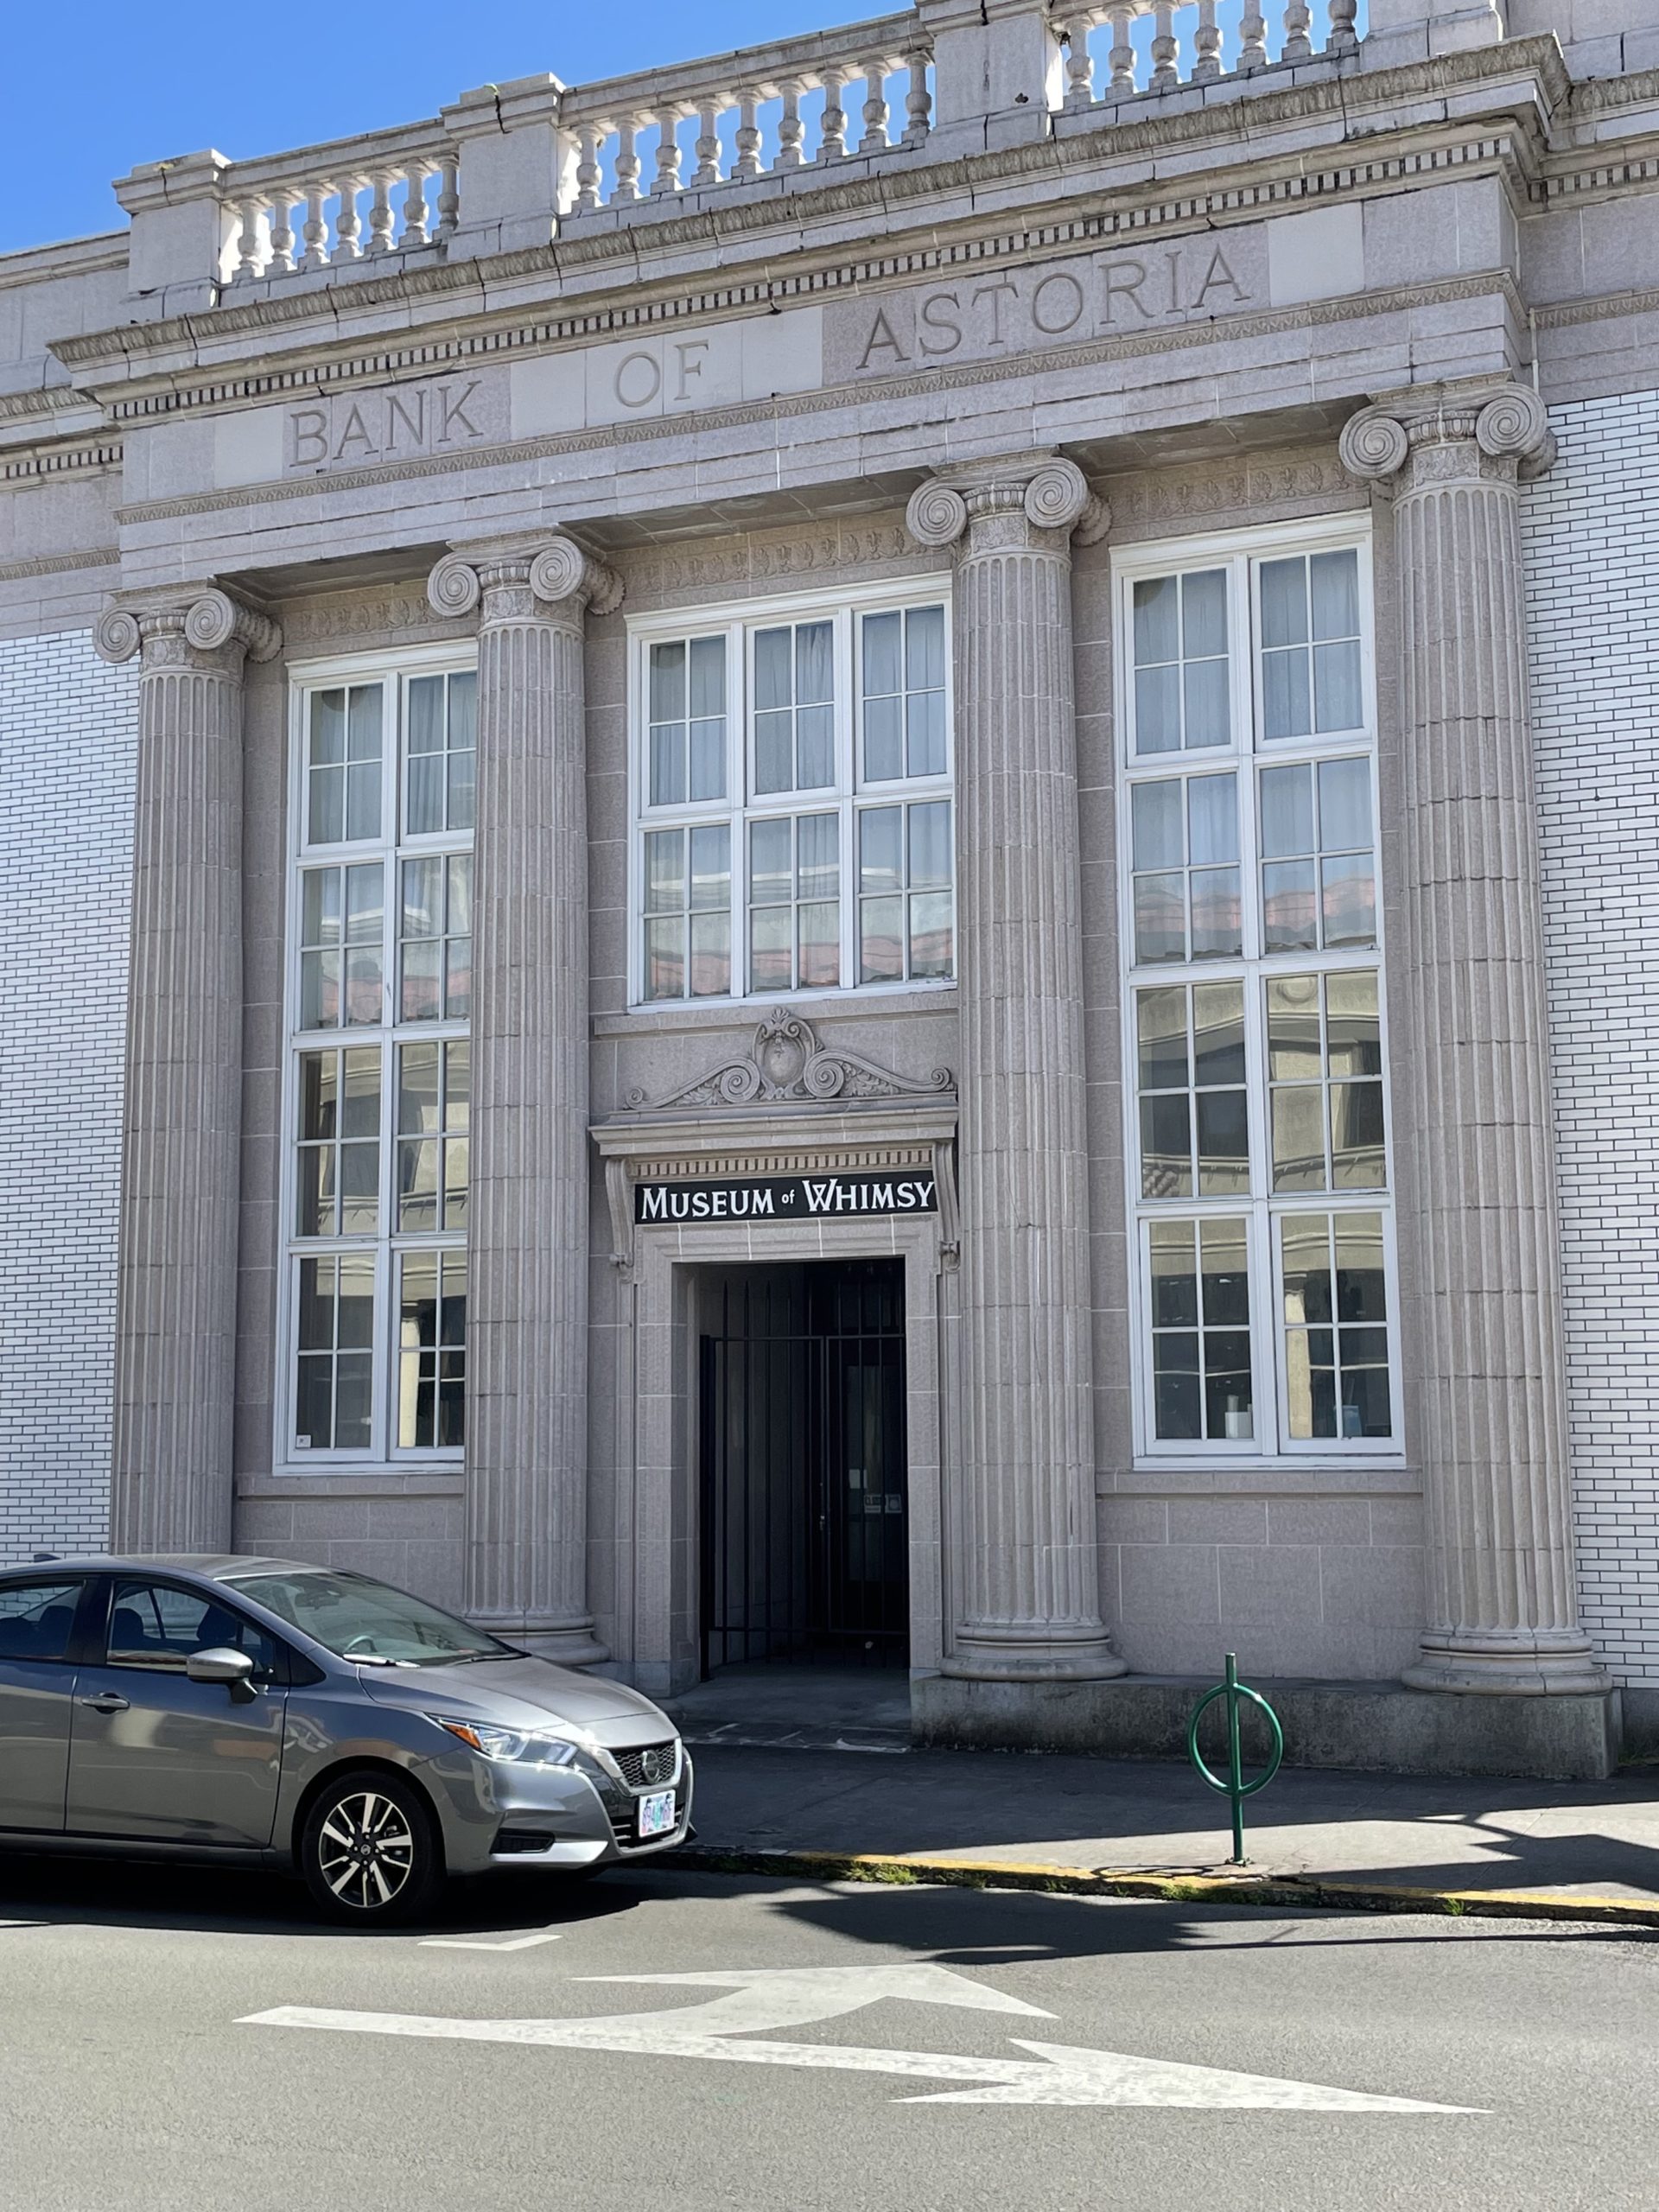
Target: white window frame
(383, 1455)
(848, 795)
(1241, 552)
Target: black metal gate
(804, 1519)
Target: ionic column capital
(185, 629)
(520, 580)
(1503, 436)
(1040, 500)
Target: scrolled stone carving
(788, 1063)
(1057, 496)
(116, 635)
(1373, 446)
(558, 570)
(454, 588)
(937, 515)
(1515, 425)
(1094, 522)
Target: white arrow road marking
(1058, 2075)
(477, 1943)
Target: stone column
(527, 1246)
(1490, 1418)
(181, 1168)
(1026, 1557)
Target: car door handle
(106, 1701)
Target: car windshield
(356, 1618)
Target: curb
(1171, 1887)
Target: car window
(158, 1624)
(37, 1618)
(360, 1619)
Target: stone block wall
(1592, 528)
(68, 726)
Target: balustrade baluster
(414, 208)
(1343, 39)
(1297, 47)
(316, 227)
(348, 226)
(790, 129)
(587, 172)
(282, 233)
(1206, 43)
(380, 215)
(1253, 37)
(832, 124)
(708, 169)
(748, 164)
(448, 197)
(667, 178)
(875, 140)
(628, 164)
(1165, 50)
(250, 243)
(918, 101)
(1079, 64)
(1123, 55)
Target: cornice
(1604, 95)
(39, 464)
(609, 436)
(1635, 164)
(1123, 216)
(1608, 309)
(44, 399)
(1159, 128)
(58, 564)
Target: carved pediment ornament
(787, 1064)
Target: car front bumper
(498, 1816)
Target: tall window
(377, 1087)
(1255, 1025)
(792, 799)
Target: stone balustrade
(355, 199)
(805, 102)
(1197, 43)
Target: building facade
(847, 856)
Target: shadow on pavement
(251, 1900)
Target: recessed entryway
(805, 1508)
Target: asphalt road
(1094, 2054)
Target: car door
(37, 1682)
(158, 1757)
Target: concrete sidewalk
(990, 1814)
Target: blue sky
(152, 81)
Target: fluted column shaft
(527, 1327)
(1490, 1416)
(1027, 1559)
(181, 1168)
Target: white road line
(474, 1943)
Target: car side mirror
(220, 1664)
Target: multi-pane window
(378, 1091)
(1256, 1021)
(792, 800)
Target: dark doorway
(805, 1511)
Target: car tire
(370, 1850)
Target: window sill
(336, 1481)
(1324, 1477)
(867, 1005)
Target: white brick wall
(67, 731)
(1592, 528)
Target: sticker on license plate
(656, 1814)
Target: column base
(567, 1643)
(1032, 1652)
(1507, 1665)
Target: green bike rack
(1235, 1786)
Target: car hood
(522, 1694)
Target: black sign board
(787, 1198)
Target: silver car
(266, 1712)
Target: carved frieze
(788, 1063)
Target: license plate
(656, 1814)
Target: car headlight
(493, 1743)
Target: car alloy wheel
(369, 1851)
